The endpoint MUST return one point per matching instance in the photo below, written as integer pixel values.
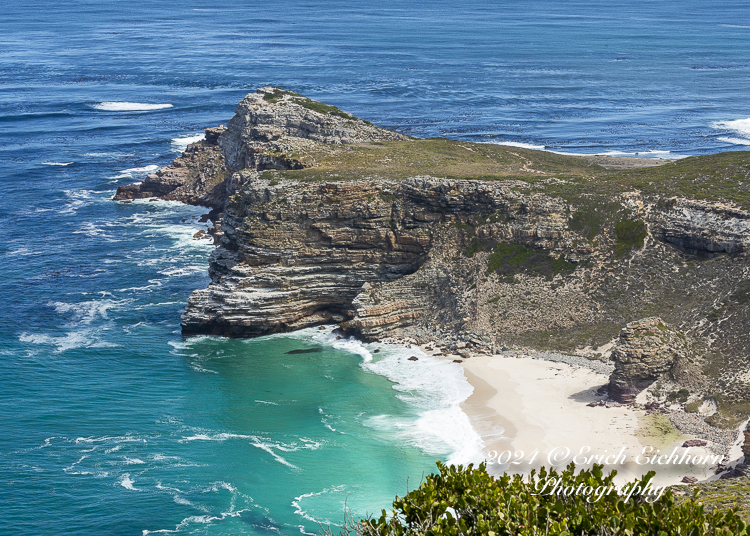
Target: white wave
(132, 461)
(77, 339)
(182, 271)
(127, 483)
(521, 145)
(735, 141)
(22, 252)
(296, 503)
(738, 126)
(84, 313)
(663, 155)
(215, 437)
(269, 449)
(78, 199)
(266, 402)
(56, 163)
(112, 106)
(180, 144)
(141, 170)
(436, 388)
(111, 439)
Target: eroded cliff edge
(331, 219)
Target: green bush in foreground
(464, 501)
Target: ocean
(114, 424)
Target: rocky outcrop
(701, 227)
(197, 177)
(270, 128)
(543, 251)
(646, 350)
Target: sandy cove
(528, 404)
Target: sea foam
(737, 126)
(112, 106)
(180, 144)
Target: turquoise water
(112, 423)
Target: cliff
(331, 219)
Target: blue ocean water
(114, 424)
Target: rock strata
(646, 350)
(477, 248)
(196, 178)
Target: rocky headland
(474, 247)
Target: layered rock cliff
(331, 219)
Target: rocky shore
(474, 248)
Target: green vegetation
(678, 396)
(629, 234)
(278, 93)
(742, 294)
(467, 501)
(310, 104)
(510, 259)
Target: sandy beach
(532, 412)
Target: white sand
(526, 404)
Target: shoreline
(528, 404)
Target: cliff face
(297, 254)
(198, 177)
(331, 219)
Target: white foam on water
(84, 313)
(735, 141)
(180, 271)
(78, 199)
(520, 145)
(132, 461)
(296, 503)
(56, 163)
(737, 126)
(113, 106)
(126, 482)
(140, 170)
(180, 144)
(266, 402)
(215, 437)
(435, 388)
(663, 155)
(86, 338)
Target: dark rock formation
(646, 350)
(198, 177)
(270, 126)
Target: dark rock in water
(305, 351)
(694, 443)
(413, 358)
(457, 361)
(376, 351)
(322, 328)
(339, 337)
(689, 479)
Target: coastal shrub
(679, 396)
(509, 259)
(468, 501)
(277, 93)
(629, 234)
